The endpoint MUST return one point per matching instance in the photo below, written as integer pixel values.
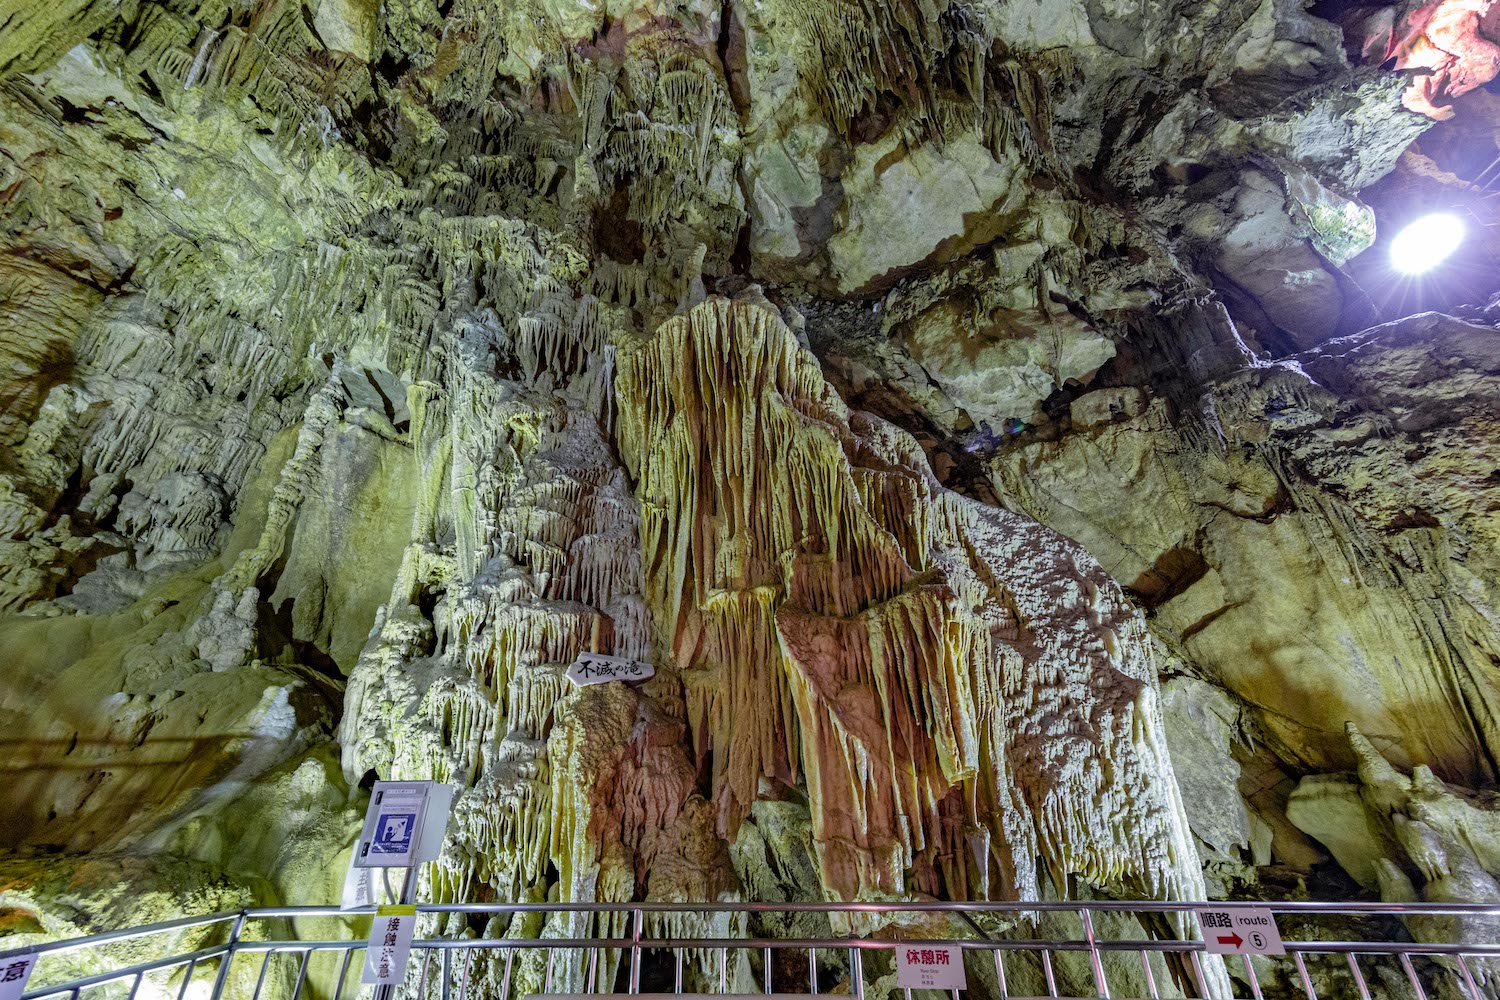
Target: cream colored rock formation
(967, 406)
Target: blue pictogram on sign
(393, 833)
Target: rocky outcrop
(914, 384)
(1409, 838)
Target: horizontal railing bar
(1110, 906)
(868, 944)
(110, 937)
(664, 944)
(142, 968)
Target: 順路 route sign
(1240, 930)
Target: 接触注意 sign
(390, 945)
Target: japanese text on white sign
(14, 972)
(597, 668)
(359, 887)
(930, 967)
(390, 944)
(393, 824)
(1240, 931)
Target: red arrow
(1234, 940)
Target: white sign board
(390, 944)
(13, 975)
(596, 668)
(930, 967)
(359, 886)
(1240, 931)
(404, 825)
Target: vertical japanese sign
(359, 886)
(930, 967)
(14, 972)
(390, 944)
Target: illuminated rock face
(961, 691)
(911, 384)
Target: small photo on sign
(393, 833)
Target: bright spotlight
(1426, 243)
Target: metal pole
(338, 987)
(1411, 973)
(1150, 976)
(1359, 977)
(1307, 986)
(228, 956)
(639, 917)
(408, 890)
(187, 977)
(301, 974)
(1094, 956)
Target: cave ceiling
(996, 420)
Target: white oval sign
(597, 668)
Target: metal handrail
(1453, 958)
(925, 906)
(114, 937)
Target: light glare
(1426, 243)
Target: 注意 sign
(14, 973)
(597, 668)
(390, 944)
(930, 967)
(1240, 931)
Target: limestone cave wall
(983, 414)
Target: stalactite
(931, 653)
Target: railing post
(638, 918)
(1094, 956)
(857, 970)
(229, 948)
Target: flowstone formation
(964, 698)
(960, 690)
(984, 415)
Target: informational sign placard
(1240, 931)
(14, 972)
(597, 668)
(391, 823)
(930, 967)
(390, 944)
(404, 825)
(359, 886)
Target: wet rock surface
(968, 407)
